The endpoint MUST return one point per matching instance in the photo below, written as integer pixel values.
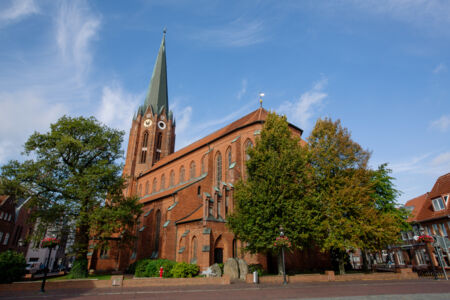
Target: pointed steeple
(157, 96)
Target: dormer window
(445, 199)
(438, 204)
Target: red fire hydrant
(161, 272)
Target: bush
(12, 266)
(79, 269)
(150, 268)
(256, 267)
(140, 267)
(185, 270)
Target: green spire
(157, 91)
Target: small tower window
(158, 147)
(145, 139)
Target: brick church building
(187, 194)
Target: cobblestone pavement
(356, 290)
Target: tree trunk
(341, 262)
(365, 262)
(81, 247)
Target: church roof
(257, 116)
(157, 94)
(195, 215)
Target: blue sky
(381, 66)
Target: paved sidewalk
(357, 290)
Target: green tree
(342, 189)
(388, 218)
(275, 193)
(70, 172)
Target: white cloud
(238, 33)
(422, 13)
(243, 89)
(18, 10)
(441, 159)
(76, 26)
(117, 107)
(440, 68)
(23, 113)
(442, 124)
(301, 110)
(412, 164)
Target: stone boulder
(215, 271)
(231, 268)
(243, 268)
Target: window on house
(104, 251)
(410, 235)
(428, 228)
(443, 230)
(5, 242)
(438, 204)
(435, 228)
(218, 168)
(172, 178)
(446, 199)
(192, 170)
(404, 236)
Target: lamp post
(282, 256)
(49, 243)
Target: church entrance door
(218, 255)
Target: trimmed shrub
(185, 270)
(12, 266)
(140, 267)
(150, 268)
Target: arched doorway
(218, 250)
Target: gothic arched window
(229, 158)
(146, 187)
(248, 145)
(140, 190)
(182, 174)
(203, 166)
(163, 182)
(192, 169)
(155, 182)
(218, 168)
(145, 139)
(194, 250)
(157, 231)
(172, 178)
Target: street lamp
(282, 256)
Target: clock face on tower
(161, 125)
(147, 123)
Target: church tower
(152, 134)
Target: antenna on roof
(260, 99)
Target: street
(414, 289)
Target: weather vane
(260, 99)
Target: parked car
(32, 268)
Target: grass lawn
(99, 277)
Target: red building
(187, 194)
(14, 228)
(430, 214)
